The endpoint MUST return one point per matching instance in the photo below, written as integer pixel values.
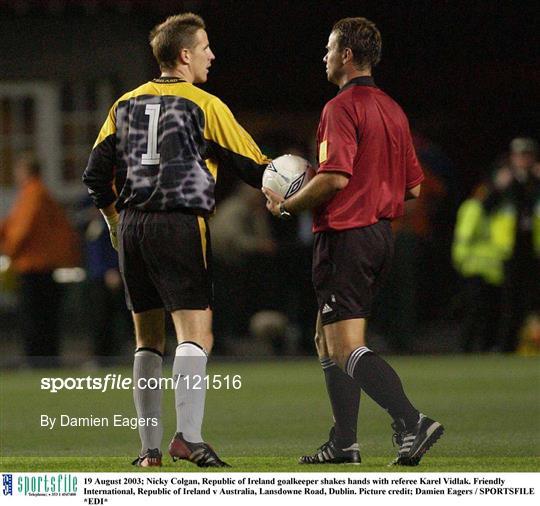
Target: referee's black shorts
(349, 267)
(165, 260)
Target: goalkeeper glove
(112, 223)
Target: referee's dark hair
(174, 34)
(362, 37)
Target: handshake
(282, 178)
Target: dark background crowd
(465, 276)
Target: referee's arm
(321, 188)
(413, 193)
(413, 171)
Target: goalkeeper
(152, 173)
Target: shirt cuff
(330, 168)
(416, 182)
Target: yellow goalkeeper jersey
(160, 148)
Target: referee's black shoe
(333, 453)
(201, 454)
(413, 444)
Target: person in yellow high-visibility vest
(478, 254)
(515, 201)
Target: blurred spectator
(38, 238)
(432, 219)
(243, 250)
(478, 255)
(516, 198)
(271, 327)
(419, 287)
(300, 286)
(293, 260)
(105, 292)
(413, 268)
(435, 159)
(529, 343)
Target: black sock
(382, 384)
(345, 399)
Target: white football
(286, 175)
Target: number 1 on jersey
(151, 157)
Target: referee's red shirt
(365, 134)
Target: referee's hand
(272, 201)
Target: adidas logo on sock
(326, 309)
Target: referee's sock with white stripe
(382, 384)
(189, 371)
(148, 364)
(345, 399)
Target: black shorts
(349, 266)
(165, 260)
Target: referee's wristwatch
(283, 213)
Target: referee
(367, 167)
(152, 173)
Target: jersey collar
(168, 80)
(359, 81)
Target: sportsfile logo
(7, 484)
(47, 485)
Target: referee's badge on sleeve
(323, 154)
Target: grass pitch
(489, 406)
